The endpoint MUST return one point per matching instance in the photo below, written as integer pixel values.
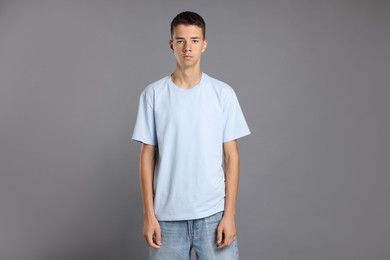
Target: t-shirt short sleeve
(235, 125)
(145, 128)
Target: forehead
(183, 30)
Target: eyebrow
(182, 38)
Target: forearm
(232, 172)
(146, 178)
(226, 232)
(152, 231)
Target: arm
(152, 233)
(226, 232)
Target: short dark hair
(189, 18)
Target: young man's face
(187, 44)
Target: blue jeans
(180, 237)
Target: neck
(186, 78)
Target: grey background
(312, 78)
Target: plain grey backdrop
(313, 81)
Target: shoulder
(154, 87)
(216, 83)
(223, 89)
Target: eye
(195, 41)
(179, 41)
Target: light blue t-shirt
(189, 127)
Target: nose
(187, 47)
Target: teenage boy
(188, 124)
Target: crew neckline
(171, 83)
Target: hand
(152, 232)
(226, 232)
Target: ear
(171, 45)
(204, 45)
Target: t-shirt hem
(228, 139)
(145, 141)
(181, 218)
